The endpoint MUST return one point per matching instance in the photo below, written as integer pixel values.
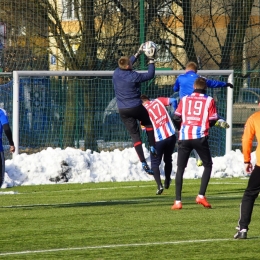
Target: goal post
(17, 75)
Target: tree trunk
(230, 38)
(89, 102)
(187, 26)
(241, 32)
(86, 49)
(70, 115)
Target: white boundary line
(114, 246)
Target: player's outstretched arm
(212, 83)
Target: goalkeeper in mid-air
(127, 83)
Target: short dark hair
(191, 66)
(123, 62)
(200, 83)
(144, 98)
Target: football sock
(156, 175)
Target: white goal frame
(18, 74)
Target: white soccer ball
(149, 48)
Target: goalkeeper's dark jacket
(184, 83)
(127, 85)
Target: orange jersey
(252, 129)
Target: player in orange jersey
(252, 129)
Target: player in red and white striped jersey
(196, 111)
(161, 121)
(194, 116)
(165, 139)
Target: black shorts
(165, 149)
(200, 145)
(129, 117)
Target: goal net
(78, 109)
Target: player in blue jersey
(4, 126)
(184, 82)
(127, 83)
(184, 85)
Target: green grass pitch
(124, 220)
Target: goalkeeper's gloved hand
(140, 51)
(199, 162)
(248, 168)
(222, 123)
(229, 85)
(151, 54)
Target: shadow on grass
(251, 238)
(164, 199)
(137, 201)
(238, 191)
